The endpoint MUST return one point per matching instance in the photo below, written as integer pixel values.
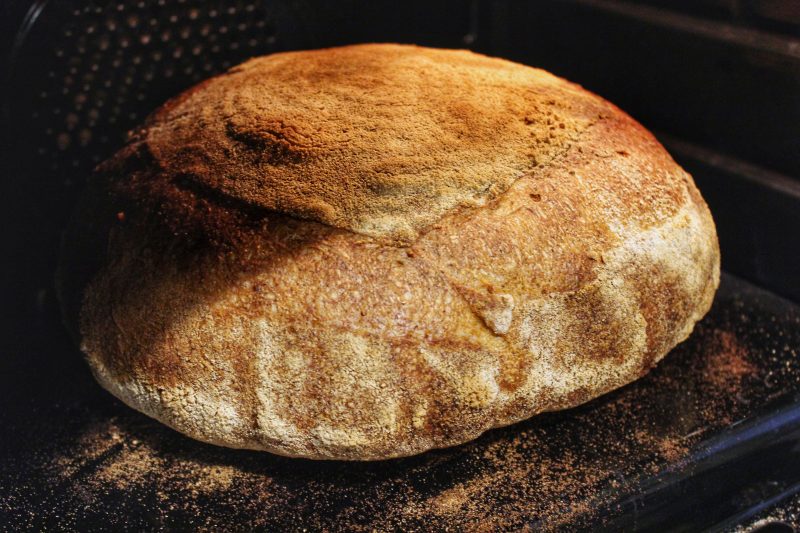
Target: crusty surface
(371, 251)
(368, 138)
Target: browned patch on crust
(663, 303)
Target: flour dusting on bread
(371, 251)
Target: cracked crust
(496, 267)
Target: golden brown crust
(368, 138)
(465, 288)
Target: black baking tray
(708, 439)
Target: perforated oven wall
(108, 65)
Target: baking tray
(708, 439)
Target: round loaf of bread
(370, 251)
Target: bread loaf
(371, 251)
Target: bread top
(379, 139)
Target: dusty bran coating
(370, 251)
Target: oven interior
(709, 440)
